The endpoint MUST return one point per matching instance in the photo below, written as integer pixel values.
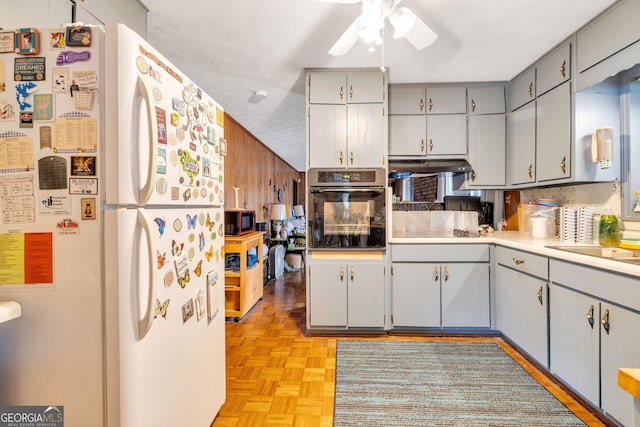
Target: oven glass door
(346, 218)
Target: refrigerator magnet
(56, 39)
(168, 278)
(26, 41)
(6, 41)
(79, 36)
(88, 206)
(162, 259)
(161, 308)
(187, 310)
(200, 305)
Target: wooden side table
(243, 286)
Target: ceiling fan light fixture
(370, 36)
(372, 14)
(402, 20)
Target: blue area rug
(403, 383)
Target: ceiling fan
(368, 26)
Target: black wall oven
(346, 209)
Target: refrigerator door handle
(144, 324)
(152, 165)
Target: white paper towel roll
(539, 227)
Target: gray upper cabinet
(407, 100)
(486, 100)
(341, 87)
(614, 30)
(523, 89)
(554, 69)
(327, 87)
(608, 44)
(446, 100)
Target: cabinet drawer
(440, 253)
(616, 288)
(523, 261)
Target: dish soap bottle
(609, 229)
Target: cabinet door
(447, 135)
(609, 33)
(522, 89)
(465, 295)
(407, 100)
(365, 87)
(327, 87)
(415, 295)
(487, 149)
(620, 348)
(366, 139)
(553, 134)
(365, 299)
(554, 69)
(407, 135)
(521, 311)
(574, 343)
(522, 145)
(327, 136)
(328, 294)
(487, 100)
(446, 100)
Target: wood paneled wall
(258, 172)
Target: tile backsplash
(597, 196)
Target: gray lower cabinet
(521, 300)
(346, 293)
(594, 331)
(440, 286)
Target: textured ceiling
(232, 48)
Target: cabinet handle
(530, 171)
(430, 104)
(341, 156)
(446, 273)
(473, 175)
(590, 316)
(518, 261)
(507, 199)
(422, 145)
(342, 274)
(351, 157)
(352, 274)
(341, 93)
(436, 274)
(421, 104)
(350, 92)
(563, 69)
(473, 105)
(430, 145)
(530, 90)
(605, 321)
(563, 166)
(540, 295)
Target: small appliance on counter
(238, 222)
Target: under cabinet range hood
(412, 167)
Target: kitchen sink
(628, 256)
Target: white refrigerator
(111, 234)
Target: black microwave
(239, 221)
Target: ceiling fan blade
(420, 35)
(346, 40)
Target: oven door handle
(346, 190)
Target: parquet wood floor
(278, 376)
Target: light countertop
(515, 240)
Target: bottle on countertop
(609, 229)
